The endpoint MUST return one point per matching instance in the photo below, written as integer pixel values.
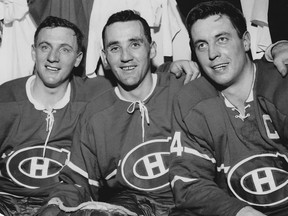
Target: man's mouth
(52, 68)
(128, 68)
(220, 67)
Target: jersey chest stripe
(197, 153)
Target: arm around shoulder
(278, 54)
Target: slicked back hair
(53, 22)
(125, 16)
(210, 8)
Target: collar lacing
(50, 113)
(249, 99)
(49, 126)
(141, 104)
(242, 117)
(144, 114)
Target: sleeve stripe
(77, 169)
(184, 179)
(83, 173)
(224, 168)
(111, 174)
(93, 182)
(197, 153)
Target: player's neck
(141, 92)
(46, 96)
(239, 92)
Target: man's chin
(129, 86)
(52, 84)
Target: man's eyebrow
(112, 43)
(135, 39)
(216, 36)
(61, 45)
(222, 34)
(198, 41)
(43, 42)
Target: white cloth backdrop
(18, 33)
(167, 29)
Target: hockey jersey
(34, 143)
(123, 145)
(223, 161)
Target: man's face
(127, 52)
(220, 51)
(55, 54)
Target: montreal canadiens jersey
(125, 145)
(34, 143)
(222, 160)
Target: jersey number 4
(176, 146)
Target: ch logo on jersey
(260, 180)
(145, 167)
(28, 168)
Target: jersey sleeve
(193, 166)
(165, 67)
(79, 177)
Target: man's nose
(213, 52)
(54, 56)
(126, 55)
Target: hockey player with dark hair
(123, 140)
(230, 143)
(38, 117)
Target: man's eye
(65, 50)
(44, 48)
(201, 46)
(223, 39)
(113, 49)
(135, 44)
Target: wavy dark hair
(209, 8)
(124, 16)
(52, 22)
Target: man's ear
(104, 60)
(153, 50)
(246, 41)
(78, 59)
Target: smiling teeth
(52, 68)
(220, 67)
(128, 68)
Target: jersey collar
(59, 105)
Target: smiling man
(38, 117)
(124, 135)
(229, 149)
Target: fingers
(192, 71)
(279, 63)
(190, 68)
(280, 55)
(282, 69)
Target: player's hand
(249, 211)
(190, 68)
(280, 57)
